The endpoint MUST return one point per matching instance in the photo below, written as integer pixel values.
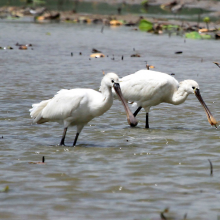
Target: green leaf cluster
(145, 25)
(196, 35)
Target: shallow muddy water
(114, 172)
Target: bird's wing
(139, 86)
(63, 104)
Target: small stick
(211, 168)
(102, 29)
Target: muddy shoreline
(128, 19)
(203, 4)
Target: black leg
(136, 112)
(63, 137)
(147, 121)
(74, 143)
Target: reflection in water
(115, 172)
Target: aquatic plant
(145, 25)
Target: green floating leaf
(170, 27)
(145, 25)
(196, 35)
(193, 35)
(206, 36)
(122, 21)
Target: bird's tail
(36, 112)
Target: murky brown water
(115, 172)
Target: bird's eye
(112, 81)
(193, 87)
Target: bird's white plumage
(76, 106)
(149, 88)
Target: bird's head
(110, 79)
(193, 87)
(190, 86)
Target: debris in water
(217, 64)
(95, 51)
(43, 161)
(166, 210)
(6, 189)
(97, 55)
(149, 66)
(115, 23)
(23, 47)
(136, 55)
(211, 168)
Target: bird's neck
(107, 95)
(179, 96)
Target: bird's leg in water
(147, 121)
(136, 112)
(74, 143)
(63, 137)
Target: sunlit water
(114, 172)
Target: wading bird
(76, 107)
(150, 88)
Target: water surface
(114, 172)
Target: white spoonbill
(150, 88)
(76, 107)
